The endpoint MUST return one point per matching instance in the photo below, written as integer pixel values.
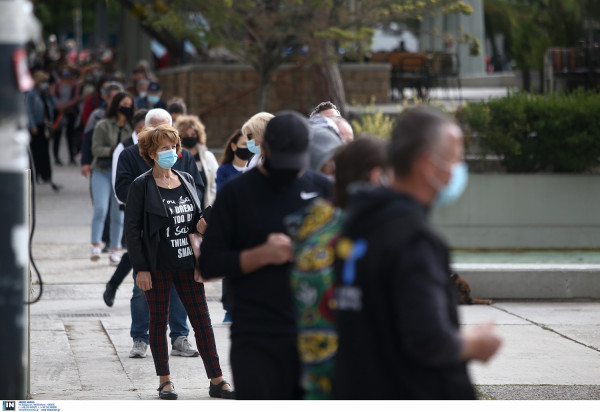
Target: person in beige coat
(193, 138)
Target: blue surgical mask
(167, 158)
(153, 99)
(455, 186)
(142, 94)
(253, 147)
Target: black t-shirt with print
(174, 249)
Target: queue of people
(334, 282)
(313, 241)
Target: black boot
(109, 295)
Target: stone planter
(521, 211)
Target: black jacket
(146, 214)
(248, 209)
(131, 165)
(397, 314)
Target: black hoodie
(397, 317)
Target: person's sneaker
(227, 318)
(139, 349)
(182, 347)
(105, 249)
(114, 258)
(95, 253)
(109, 295)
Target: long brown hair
(354, 162)
(228, 151)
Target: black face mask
(126, 111)
(280, 177)
(189, 142)
(243, 153)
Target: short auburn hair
(151, 138)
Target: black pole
(17, 26)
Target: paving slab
(531, 355)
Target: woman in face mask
(254, 130)
(235, 158)
(193, 139)
(233, 162)
(163, 209)
(108, 133)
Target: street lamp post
(17, 26)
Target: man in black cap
(153, 98)
(246, 242)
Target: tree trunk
(264, 90)
(328, 78)
(526, 79)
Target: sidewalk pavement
(80, 347)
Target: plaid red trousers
(192, 296)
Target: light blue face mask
(253, 147)
(153, 99)
(167, 158)
(455, 187)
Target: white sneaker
(114, 258)
(95, 253)
(182, 347)
(139, 349)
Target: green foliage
(255, 29)
(57, 16)
(260, 32)
(534, 133)
(531, 26)
(374, 123)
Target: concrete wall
(524, 211)
(204, 86)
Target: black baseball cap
(287, 137)
(154, 87)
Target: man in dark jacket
(246, 242)
(398, 325)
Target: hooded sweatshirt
(397, 317)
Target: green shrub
(534, 133)
(374, 123)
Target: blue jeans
(102, 193)
(140, 315)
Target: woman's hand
(201, 226)
(144, 281)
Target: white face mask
(453, 190)
(253, 147)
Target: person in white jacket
(193, 138)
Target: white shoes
(114, 258)
(96, 251)
(183, 347)
(138, 350)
